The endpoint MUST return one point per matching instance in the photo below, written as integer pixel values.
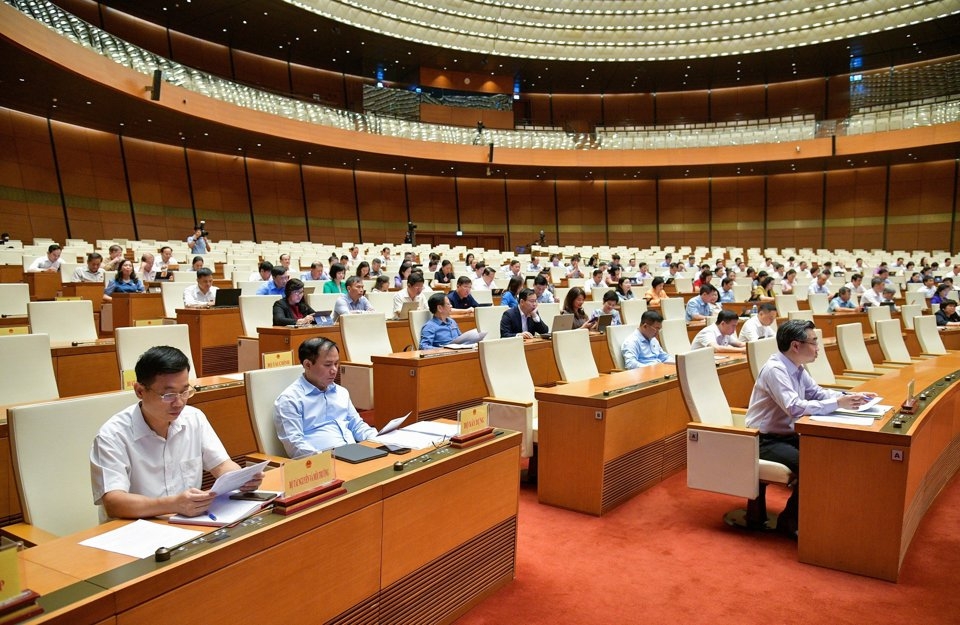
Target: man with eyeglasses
(149, 459)
(314, 413)
(783, 393)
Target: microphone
(78, 343)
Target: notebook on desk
(227, 298)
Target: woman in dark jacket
(291, 310)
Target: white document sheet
(863, 421)
(141, 539)
(229, 482)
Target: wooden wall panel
(684, 211)
(208, 56)
(220, 193)
(260, 70)
(482, 209)
(531, 207)
(158, 184)
(94, 184)
(29, 195)
(794, 210)
(627, 109)
(310, 81)
(582, 213)
(798, 97)
(838, 97)
(855, 208)
(737, 103)
(577, 113)
(433, 206)
(921, 206)
(682, 107)
(277, 200)
(539, 110)
(737, 211)
(632, 212)
(331, 205)
(383, 208)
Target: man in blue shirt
(726, 291)
(440, 329)
(353, 300)
(276, 283)
(699, 307)
(313, 413)
(642, 347)
(460, 297)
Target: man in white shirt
(534, 264)
(262, 274)
(202, 294)
(146, 272)
(856, 285)
(412, 293)
(49, 263)
(542, 288)
(760, 326)
(485, 281)
(165, 264)
(720, 336)
(512, 270)
(92, 272)
(873, 296)
(596, 282)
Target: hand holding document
(229, 482)
(871, 408)
(466, 340)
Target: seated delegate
(126, 281)
(642, 348)
(440, 329)
(291, 310)
(314, 413)
(523, 318)
(149, 459)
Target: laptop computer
(406, 308)
(560, 323)
(227, 298)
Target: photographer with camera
(198, 240)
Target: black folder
(355, 453)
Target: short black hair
(525, 294)
(414, 278)
(947, 302)
(352, 280)
(277, 271)
(204, 272)
(792, 330)
(611, 296)
(94, 256)
(464, 280)
(265, 265)
(540, 280)
(768, 307)
(707, 288)
(436, 301)
(650, 317)
(160, 360)
(311, 348)
(53, 248)
(726, 315)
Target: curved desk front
(864, 490)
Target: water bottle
(753, 311)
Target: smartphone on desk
(254, 495)
(394, 449)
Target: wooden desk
(86, 368)
(44, 285)
(285, 338)
(442, 531)
(92, 291)
(130, 307)
(865, 490)
(11, 273)
(950, 337)
(597, 451)
(213, 338)
(435, 383)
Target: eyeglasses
(815, 343)
(169, 398)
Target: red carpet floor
(665, 556)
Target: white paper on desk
(141, 539)
(434, 428)
(233, 376)
(471, 337)
(394, 424)
(864, 421)
(229, 482)
(406, 438)
(875, 411)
